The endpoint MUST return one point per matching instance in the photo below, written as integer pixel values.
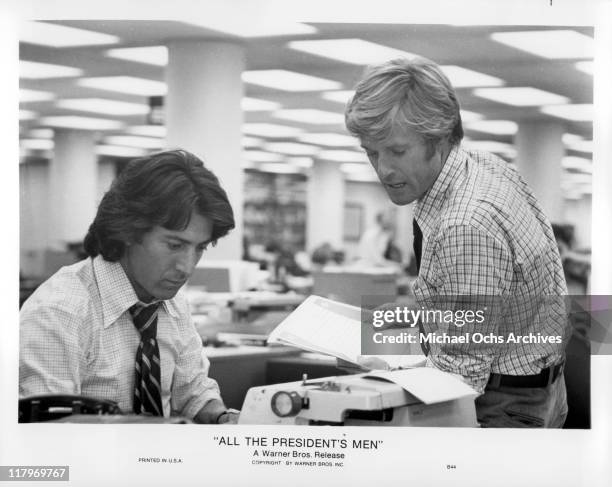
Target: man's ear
(443, 148)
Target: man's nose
(186, 262)
(385, 167)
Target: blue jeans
(517, 407)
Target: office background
(589, 447)
(263, 106)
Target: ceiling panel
(466, 46)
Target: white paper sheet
(428, 384)
(325, 326)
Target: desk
(237, 369)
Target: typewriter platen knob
(286, 404)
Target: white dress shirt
(77, 337)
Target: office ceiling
(469, 47)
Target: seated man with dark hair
(112, 326)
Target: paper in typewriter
(325, 326)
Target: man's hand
(230, 417)
(215, 412)
(372, 363)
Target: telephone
(54, 406)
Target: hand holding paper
(324, 326)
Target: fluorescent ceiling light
(36, 144)
(270, 130)
(522, 97)
(577, 112)
(34, 70)
(491, 146)
(498, 127)
(551, 44)
(244, 26)
(292, 148)
(309, 115)
(27, 115)
(119, 151)
(583, 146)
(585, 66)
(341, 96)
(354, 167)
(26, 96)
(354, 51)
(61, 36)
(159, 131)
(135, 141)
(577, 143)
(279, 167)
(361, 177)
(262, 156)
(343, 156)
(40, 133)
(303, 162)
(81, 123)
(468, 116)
(249, 165)
(577, 177)
(465, 78)
(25, 153)
(251, 141)
(282, 79)
(126, 84)
(155, 55)
(101, 105)
(571, 138)
(329, 139)
(255, 105)
(578, 164)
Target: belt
(543, 379)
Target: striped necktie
(147, 380)
(417, 245)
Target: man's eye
(398, 153)
(174, 245)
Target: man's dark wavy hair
(158, 190)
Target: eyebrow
(182, 240)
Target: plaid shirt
(77, 337)
(484, 234)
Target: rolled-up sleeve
(191, 386)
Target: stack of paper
(324, 326)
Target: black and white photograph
(292, 245)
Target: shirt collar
(427, 208)
(116, 292)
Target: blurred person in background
(376, 247)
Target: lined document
(325, 326)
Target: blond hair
(412, 93)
